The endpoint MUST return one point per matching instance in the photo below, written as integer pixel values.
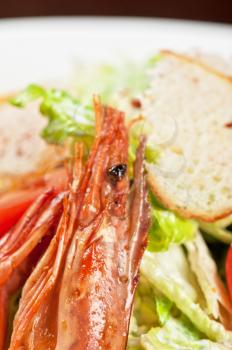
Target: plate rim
(47, 21)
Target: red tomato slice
(229, 270)
(14, 204)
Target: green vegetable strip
(163, 309)
(217, 232)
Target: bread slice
(22, 150)
(189, 106)
(219, 63)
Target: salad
(91, 256)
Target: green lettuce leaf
(163, 308)
(174, 291)
(178, 334)
(205, 269)
(167, 227)
(67, 116)
(31, 93)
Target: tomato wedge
(229, 270)
(14, 204)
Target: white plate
(34, 50)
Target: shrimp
(3, 316)
(21, 248)
(80, 295)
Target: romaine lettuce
(174, 291)
(117, 83)
(177, 334)
(163, 308)
(67, 116)
(167, 227)
(205, 269)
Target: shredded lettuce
(67, 116)
(167, 227)
(178, 334)
(175, 292)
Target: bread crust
(193, 60)
(183, 211)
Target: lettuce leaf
(179, 269)
(178, 334)
(167, 227)
(205, 269)
(174, 291)
(111, 81)
(215, 230)
(116, 82)
(67, 116)
(163, 308)
(31, 93)
(145, 306)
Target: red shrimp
(80, 295)
(21, 248)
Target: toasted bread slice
(189, 105)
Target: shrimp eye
(117, 172)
